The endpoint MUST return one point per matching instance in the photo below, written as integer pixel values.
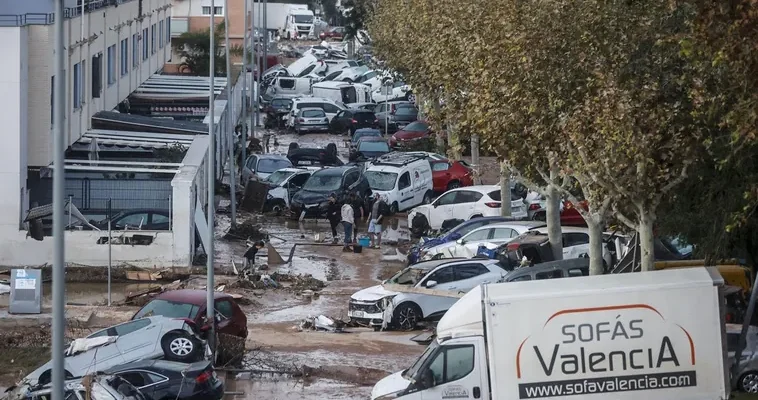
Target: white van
(289, 87)
(299, 23)
(405, 181)
(330, 107)
(343, 92)
(654, 335)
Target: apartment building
(111, 48)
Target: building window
(217, 10)
(77, 86)
(145, 49)
(111, 65)
(135, 51)
(168, 30)
(124, 57)
(161, 32)
(152, 40)
(97, 75)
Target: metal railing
(49, 18)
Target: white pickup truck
(652, 335)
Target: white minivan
(404, 180)
(343, 92)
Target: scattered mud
(357, 375)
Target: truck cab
(299, 24)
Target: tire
(420, 226)
(427, 198)
(394, 208)
(453, 185)
(278, 207)
(476, 216)
(539, 216)
(47, 376)
(410, 97)
(179, 346)
(293, 146)
(406, 316)
(331, 149)
(748, 382)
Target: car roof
(332, 84)
(565, 229)
(336, 170)
(570, 263)
(304, 99)
(372, 139)
(190, 296)
(477, 188)
(527, 224)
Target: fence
(90, 195)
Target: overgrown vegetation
(194, 49)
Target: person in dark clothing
(358, 210)
(251, 252)
(333, 215)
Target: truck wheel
(749, 382)
(427, 197)
(406, 316)
(410, 97)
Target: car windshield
(166, 308)
(323, 182)
(413, 370)
(313, 114)
(416, 127)
(303, 19)
(408, 276)
(374, 146)
(269, 165)
(406, 111)
(379, 180)
(278, 177)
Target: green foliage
(357, 14)
(194, 49)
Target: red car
(337, 32)
(413, 131)
(448, 175)
(191, 304)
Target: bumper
(213, 393)
(311, 128)
(366, 319)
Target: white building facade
(112, 47)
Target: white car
(576, 244)
(400, 91)
(492, 236)
(379, 307)
(462, 204)
(283, 184)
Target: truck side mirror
(431, 284)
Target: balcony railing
(49, 18)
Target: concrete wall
(13, 85)
(102, 28)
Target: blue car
(414, 254)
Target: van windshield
(413, 370)
(383, 181)
(323, 183)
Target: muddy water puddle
(276, 388)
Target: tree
(194, 49)
(356, 15)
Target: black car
(137, 219)
(368, 148)
(276, 110)
(160, 379)
(347, 121)
(395, 115)
(318, 157)
(313, 197)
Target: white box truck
(649, 335)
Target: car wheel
(410, 97)
(179, 346)
(749, 382)
(453, 185)
(406, 316)
(476, 216)
(278, 207)
(394, 208)
(427, 198)
(420, 226)
(47, 376)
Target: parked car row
(161, 353)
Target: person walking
(333, 215)
(347, 222)
(358, 205)
(375, 221)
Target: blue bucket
(364, 241)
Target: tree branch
(682, 176)
(621, 217)
(517, 176)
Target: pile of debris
(321, 323)
(299, 282)
(246, 230)
(277, 280)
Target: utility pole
(254, 94)
(245, 64)
(59, 182)
(265, 35)
(230, 119)
(210, 304)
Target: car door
(474, 274)
(444, 279)
(294, 185)
(337, 124)
(137, 339)
(440, 175)
(405, 191)
(502, 235)
(575, 245)
(442, 210)
(471, 242)
(464, 204)
(451, 370)
(249, 170)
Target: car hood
(390, 384)
(373, 293)
(310, 197)
(405, 135)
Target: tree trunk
(553, 215)
(505, 190)
(595, 229)
(475, 158)
(647, 254)
(438, 137)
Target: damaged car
(381, 308)
(95, 387)
(174, 339)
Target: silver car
(145, 338)
(311, 120)
(746, 378)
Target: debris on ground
(298, 282)
(321, 323)
(4, 288)
(142, 297)
(396, 256)
(246, 230)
